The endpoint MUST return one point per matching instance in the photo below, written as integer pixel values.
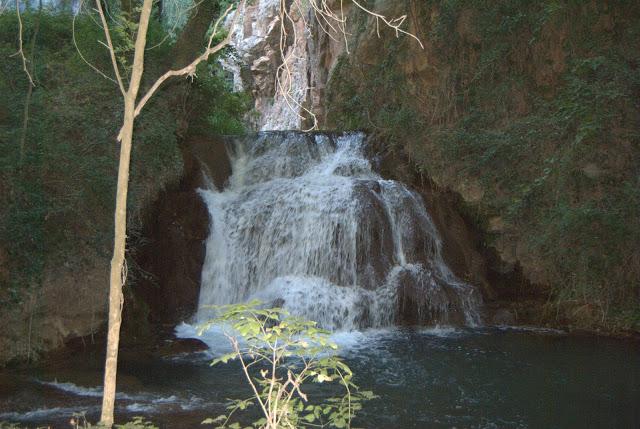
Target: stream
(425, 378)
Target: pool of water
(425, 378)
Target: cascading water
(305, 223)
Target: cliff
(526, 111)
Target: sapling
(280, 355)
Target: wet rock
(181, 346)
(171, 250)
(374, 242)
(420, 300)
(503, 317)
(425, 298)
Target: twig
(112, 52)
(394, 23)
(3, 5)
(20, 45)
(236, 348)
(27, 101)
(75, 44)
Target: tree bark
(118, 266)
(118, 269)
(118, 274)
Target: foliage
(390, 118)
(175, 14)
(57, 203)
(137, 423)
(79, 421)
(226, 115)
(534, 101)
(279, 355)
(58, 199)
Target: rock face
(256, 60)
(483, 112)
(257, 64)
(172, 249)
(165, 262)
(313, 71)
(463, 245)
(71, 303)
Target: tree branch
(75, 44)
(20, 45)
(112, 52)
(394, 23)
(190, 69)
(236, 349)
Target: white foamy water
(143, 402)
(43, 413)
(93, 392)
(306, 224)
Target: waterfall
(306, 224)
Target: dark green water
(424, 379)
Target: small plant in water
(279, 354)
(79, 421)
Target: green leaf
(210, 421)
(224, 358)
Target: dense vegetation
(530, 108)
(58, 181)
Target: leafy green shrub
(224, 110)
(79, 421)
(280, 354)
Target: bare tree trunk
(118, 268)
(118, 273)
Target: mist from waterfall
(306, 224)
